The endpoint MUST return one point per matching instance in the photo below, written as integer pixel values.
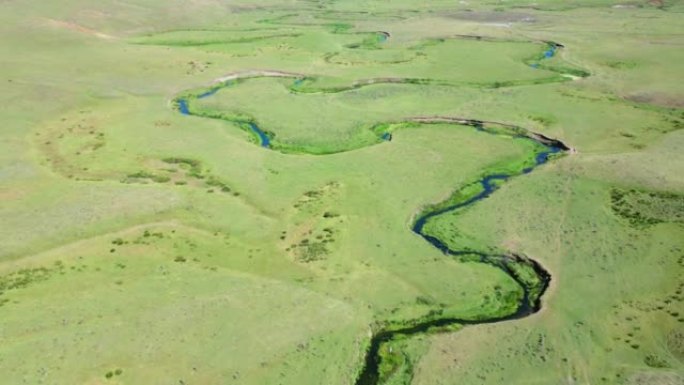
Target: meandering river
(532, 290)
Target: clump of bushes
(23, 278)
(148, 234)
(654, 361)
(308, 251)
(147, 175)
(112, 373)
(642, 208)
(194, 165)
(215, 182)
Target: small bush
(654, 361)
(161, 178)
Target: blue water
(386, 136)
(489, 185)
(548, 54)
(488, 189)
(298, 82)
(183, 107)
(543, 157)
(265, 140)
(382, 37)
(208, 93)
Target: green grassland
(139, 245)
(636, 321)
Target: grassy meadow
(139, 245)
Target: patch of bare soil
(493, 17)
(657, 99)
(657, 3)
(77, 28)
(656, 378)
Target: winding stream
(510, 264)
(184, 109)
(531, 300)
(549, 53)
